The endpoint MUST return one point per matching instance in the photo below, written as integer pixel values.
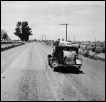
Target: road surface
(26, 76)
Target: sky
(86, 19)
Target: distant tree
(4, 35)
(23, 31)
(98, 49)
(103, 50)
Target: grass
(7, 45)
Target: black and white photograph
(52, 50)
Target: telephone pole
(95, 44)
(66, 29)
(74, 38)
(45, 37)
(42, 37)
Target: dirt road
(26, 76)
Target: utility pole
(45, 37)
(42, 37)
(74, 38)
(66, 29)
(95, 45)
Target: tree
(23, 31)
(4, 35)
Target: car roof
(68, 46)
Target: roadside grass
(9, 46)
(95, 56)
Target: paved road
(26, 76)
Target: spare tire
(55, 64)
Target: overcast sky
(86, 19)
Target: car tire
(54, 65)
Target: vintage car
(65, 56)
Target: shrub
(103, 50)
(98, 50)
(93, 49)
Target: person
(56, 43)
